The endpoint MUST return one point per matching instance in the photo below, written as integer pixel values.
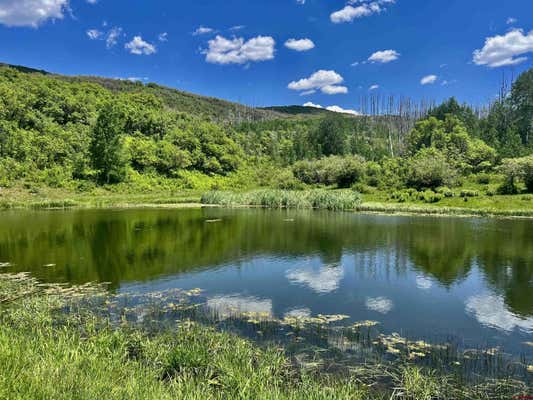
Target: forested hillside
(80, 132)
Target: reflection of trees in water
(137, 245)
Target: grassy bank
(377, 201)
(306, 199)
(72, 343)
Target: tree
(107, 149)
(462, 112)
(330, 136)
(521, 100)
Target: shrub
(469, 193)
(483, 179)
(333, 170)
(430, 196)
(363, 188)
(429, 169)
(516, 170)
(446, 192)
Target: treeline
(60, 131)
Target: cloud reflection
(381, 305)
(230, 305)
(326, 280)
(490, 310)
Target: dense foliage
(80, 132)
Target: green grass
(306, 199)
(60, 342)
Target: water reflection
(326, 280)
(490, 310)
(454, 276)
(381, 305)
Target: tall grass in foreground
(307, 199)
(65, 343)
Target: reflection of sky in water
(327, 279)
(229, 305)
(379, 304)
(364, 286)
(490, 310)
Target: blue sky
(239, 49)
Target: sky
(326, 53)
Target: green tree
(330, 136)
(521, 100)
(107, 148)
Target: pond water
(465, 280)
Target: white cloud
(384, 56)
(490, 310)
(237, 28)
(239, 51)
(202, 30)
(364, 9)
(163, 37)
(300, 44)
(139, 47)
(112, 37)
(326, 280)
(308, 92)
(333, 89)
(94, 34)
(341, 110)
(309, 104)
(508, 49)
(373, 87)
(326, 81)
(30, 12)
(428, 80)
(511, 21)
(381, 305)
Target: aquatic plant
(317, 199)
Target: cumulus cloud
(139, 47)
(326, 280)
(384, 56)
(310, 104)
(341, 110)
(30, 12)
(358, 9)
(326, 81)
(490, 310)
(502, 50)
(381, 305)
(428, 80)
(300, 44)
(239, 51)
(336, 109)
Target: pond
(463, 280)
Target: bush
(363, 188)
(429, 169)
(333, 170)
(469, 193)
(483, 179)
(446, 192)
(430, 196)
(517, 170)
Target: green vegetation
(92, 138)
(316, 199)
(76, 342)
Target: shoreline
(379, 208)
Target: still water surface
(460, 279)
